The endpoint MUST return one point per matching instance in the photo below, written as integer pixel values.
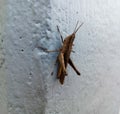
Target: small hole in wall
(20, 37)
(1, 40)
(30, 73)
(22, 50)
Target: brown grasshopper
(63, 57)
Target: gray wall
(3, 94)
(26, 85)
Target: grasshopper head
(72, 36)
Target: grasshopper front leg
(44, 49)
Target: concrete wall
(3, 95)
(26, 86)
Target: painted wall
(26, 85)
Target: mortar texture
(26, 84)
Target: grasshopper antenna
(78, 28)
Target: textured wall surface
(26, 85)
(26, 24)
(97, 56)
(3, 96)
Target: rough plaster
(30, 87)
(3, 96)
(25, 26)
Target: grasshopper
(63, 58)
